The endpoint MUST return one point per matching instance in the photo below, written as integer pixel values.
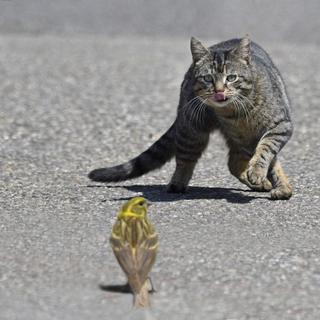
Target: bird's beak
(149, 204)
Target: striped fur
(153, 158)
(235, 88)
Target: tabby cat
(233, 87)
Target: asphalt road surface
(72, 104)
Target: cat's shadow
(158, 193)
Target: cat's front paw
(282, 192)
(255, 177)
(264, 186)
(256, 174)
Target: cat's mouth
(219, 99)
(219, 96)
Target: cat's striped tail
(153, 158)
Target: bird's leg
(151, 288)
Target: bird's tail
(153, 158)
(141, 299)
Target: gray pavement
(73, 103)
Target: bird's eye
(141, 203)
(207, 78)
(232, 77)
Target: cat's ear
(243, 50)
(198, 50)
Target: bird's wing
(124, 255)
(146, 254)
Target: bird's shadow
(118, 288)
(158, 193)
(121, 288)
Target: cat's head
(222, 76)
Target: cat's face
(222, 77)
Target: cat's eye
(232, 77)
(207, 78)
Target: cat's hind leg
(282, 189)
(181, 177)
(238, 165)
(189, 146)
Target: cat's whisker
(244, 109)
(203, 111)
(237, 111)
(241, 106)
(201, 117)
(194, 110)
(247, 100)
(189, 105)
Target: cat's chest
(240, 131)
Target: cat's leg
(181, 177)
(282, 189)
(238, 165)
(266, 151)
(189, 146)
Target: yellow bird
(135, 242)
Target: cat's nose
(219, 86)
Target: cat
(233, 87)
